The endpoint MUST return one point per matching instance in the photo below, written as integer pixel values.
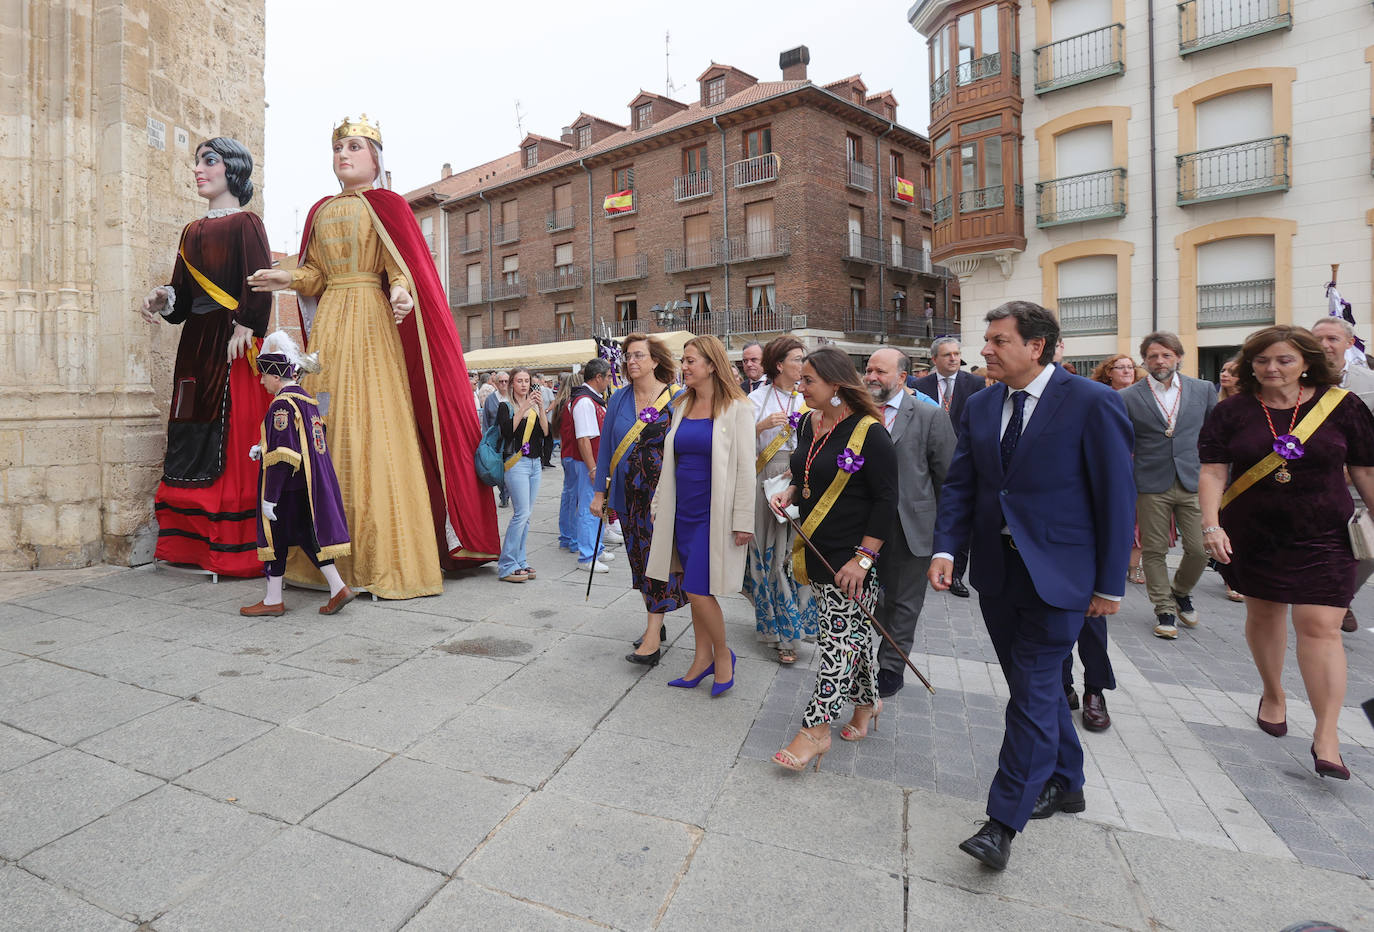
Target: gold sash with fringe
(832, 494)
(772, 449)
(1306, 428)
(633, 433)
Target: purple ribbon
(849, 461)
(525, 449)
(1288, 446)
(649, 414)
(794, 419)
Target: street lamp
(667, 314)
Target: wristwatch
(865, 563)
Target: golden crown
(359, 127)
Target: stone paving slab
(271, 692)
(521, 746)
(464, 905)
(31, 903)
(174, 739)
(18, 748)
(85, 710)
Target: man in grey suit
(924, 441)
(1337, 337)
(1167, 410)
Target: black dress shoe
(1095, 717)
(648, 660)
(1349, 624)
(889, 683)
(1054, 798)
(662, 636)
(1072, 696)
(991, 844)
(957, 587)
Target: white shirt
(1166, 400)
(767, 400)
(890, 409)
(946, 389)
(584, 418)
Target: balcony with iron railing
(944, 208)
(1205, 24)
(1084, 314)
(1079, 59)
(759, 169)
(909, 258)
(562, 218)
(559, 278)
(470, 242)
(622, 268)
(1229, 304)
(505, 289)
(859, 176)
(865, 320)
(754, 320)
(692, 184)
(917, 326)
(939, 87)
(698, 255)
(1090, 196)
(504, 233)
(761, 244)
(989, 198)
(623, 328)
(1242, 168)
(466, 297)
(979, 69)
(864, 248)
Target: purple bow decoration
(525, 449)
(794, 419)
(1288, 446)
(849, 461)
(649, 414)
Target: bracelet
(866, 552)
(1208, 530)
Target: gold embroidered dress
(371, 421)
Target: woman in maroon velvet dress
(1282, 542)
(208, 499)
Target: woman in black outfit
(844, 482)
(523, 429)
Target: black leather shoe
(1054, 798)
(1349, 624)
(1095, 717)
(662, 636)
(957, 587)
(1072, 696)
(648, 660)
(889, 683)
(991, 844)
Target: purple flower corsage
(649, 414)
(794, 419)
(849, 461)
(1288, 446)
(525, 449)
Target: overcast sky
(444, 84)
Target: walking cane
(871, 620)
(596, 548)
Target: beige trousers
(1152, 512)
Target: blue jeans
(584, 521)
(522, 480)
(567, 505)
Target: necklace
(1170, 414)
(1285, 445)
(817, 443)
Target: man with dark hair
(1038, 484)
(751, 361)
(589, 415)
(1166, 411)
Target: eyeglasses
(1123, 368)
(637, 357)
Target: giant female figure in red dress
(398, 405)
(207, 500)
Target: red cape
(445, 410)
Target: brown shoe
(345, 596)
(1348, 623)
(262, 608)
(1095, 717)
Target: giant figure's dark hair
(238, 165)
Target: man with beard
(1167, 411)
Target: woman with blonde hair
(705, 514)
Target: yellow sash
(222, 298)
(772, 449)
(633, 433)
(1306, 428)
(832, 493)
(529, 429)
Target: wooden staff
(871, 620)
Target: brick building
(756, 208)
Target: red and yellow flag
(620, 202)
(906, 191)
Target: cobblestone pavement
(486, 759)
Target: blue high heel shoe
(719, 688)
(683, 683)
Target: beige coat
(732, 499)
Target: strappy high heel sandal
(852, 732)
(819, 746)
(1136, 574)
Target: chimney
(565, 135)
(446, 171)
(793, 63)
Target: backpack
(487, 460)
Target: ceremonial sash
(632, 435)
(772, 449)
(529, 429)
(832, 494)
(1306, 428)
(220, 296)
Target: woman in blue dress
(705, 514)
(649, 369)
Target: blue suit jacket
(1068, 496)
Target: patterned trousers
(849, 658)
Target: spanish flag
(906, 191)
(619, 203)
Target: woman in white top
(784, 612)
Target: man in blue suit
(1041, 486)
